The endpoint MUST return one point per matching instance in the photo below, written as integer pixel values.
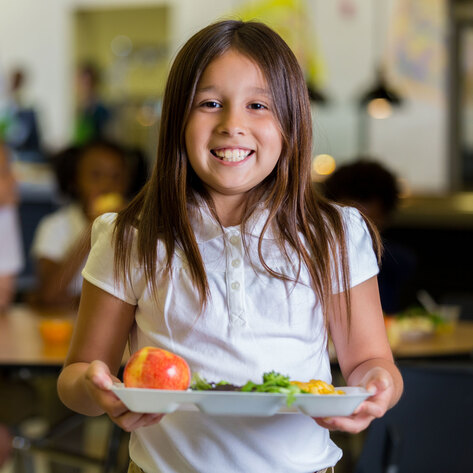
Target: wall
(412, 142)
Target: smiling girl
(229, 260)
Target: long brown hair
(305, 221)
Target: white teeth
(232, 154)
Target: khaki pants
(133, 468)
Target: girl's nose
(232, 123)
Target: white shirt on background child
(253, 323)
(55, 236)
(11, 250)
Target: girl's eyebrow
(255, 90)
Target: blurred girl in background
(98, 177)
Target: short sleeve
(11, 251)
(51, 238)
(362, 261)
(99, 269)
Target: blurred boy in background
(373, 189)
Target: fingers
(370, 408)
(131, 421)
(353, 425)
(377, 380)
(358, 421)
(100, 381)
(99, 375)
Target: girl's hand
(99, 381)
(378, 381)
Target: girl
(86, 175)
(227, 259)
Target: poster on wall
(291, 20)
(418, 48)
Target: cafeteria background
(390, 79)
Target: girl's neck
(229, 209)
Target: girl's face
(233, 138)
(100, 171)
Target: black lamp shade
(381, 91)
(315, 95)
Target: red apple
(156, 368)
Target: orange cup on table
(55, 330)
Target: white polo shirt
(253, 323)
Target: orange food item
(156, 368)
(317, 386)
(56, 331)
(111, 202)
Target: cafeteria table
(457, 343)
(21, 344)
(23, 353)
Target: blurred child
(373, 189)
(98, 178)
(229, 260)
(19, 122)
(93, 116)
(11, 251)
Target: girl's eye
(211, 104)
(258, 106)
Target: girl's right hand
(98, 381)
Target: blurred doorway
(130, 49)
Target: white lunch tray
(240, 403)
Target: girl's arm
(94, 358)
(364, 355)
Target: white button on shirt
(253, 323)
(236, 263)
(235, 240)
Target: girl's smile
(231, 155)
(233, 138)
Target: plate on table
(240, 403)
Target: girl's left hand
(378, 381)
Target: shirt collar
(207, 228)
